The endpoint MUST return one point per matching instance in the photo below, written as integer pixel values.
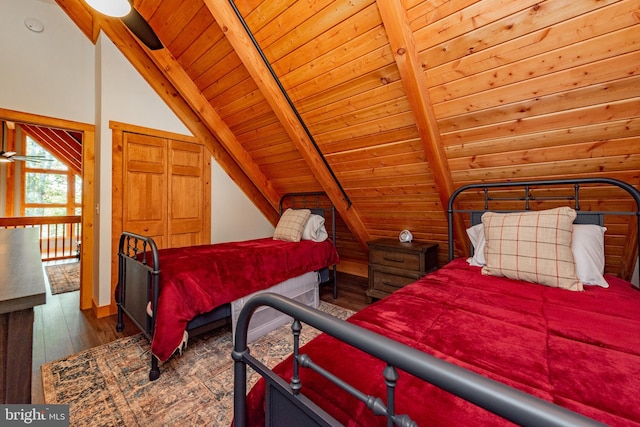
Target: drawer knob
(393, 259)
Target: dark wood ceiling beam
(254, 63)
(139, 57)
(414, 80)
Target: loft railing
(59, 235)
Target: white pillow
(587, 247)
(476, 236)
(314, 229)
(588, 253)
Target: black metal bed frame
(307, 199)
(286, 405)
(583, 217)
(139, 278)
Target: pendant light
(114, 8)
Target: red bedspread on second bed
(196, 279)
(580, 350)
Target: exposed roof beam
(139, 57)
(414, 80)
(250, 57)
(61, 144)
(198, 102)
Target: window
(50, 188)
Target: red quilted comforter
(580, 350)
(195, 280)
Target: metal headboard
(583, 217)
(313, 201)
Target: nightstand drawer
(394, 264)
(387, 282)
(403, 260)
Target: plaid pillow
(532, 246)
(291, 225)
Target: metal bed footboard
(139, 275)
(138, 284)
(286, 400)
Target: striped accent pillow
(291, 225)
(532, 246)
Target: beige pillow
(291, 225)
(532, 246)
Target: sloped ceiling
(63, 144)
(406, 100)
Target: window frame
(70, 206)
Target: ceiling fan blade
(142, 30)
(31, 158)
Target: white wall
(49, 73)
(122, 96)
(244, 221)
(60, 73)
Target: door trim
(87, 256)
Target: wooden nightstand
(393, 264)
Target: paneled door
(188, 200)
(161, 188)
(145, 179)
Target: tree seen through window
(50, 188)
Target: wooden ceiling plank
(581, 97)
(139, 57)
(609, 45)
(214, 122)
(610, 69)
(331, 42)
(452, 60)
(414, 79)
(625, 128)
(168, 25)
(244, 47)
(607, 112)
(193, 30)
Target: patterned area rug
(64, 277)
(109, 385)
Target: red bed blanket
(580, 350)
(196, 279)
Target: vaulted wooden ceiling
(405, 100)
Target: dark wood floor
(61, 329)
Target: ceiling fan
(12, 156)
(124, 10)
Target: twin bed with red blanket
(466, 345)
(170, 292)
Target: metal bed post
(317, 195)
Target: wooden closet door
(161, 188)
(189, 209)
(145, 168)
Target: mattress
(303, 289)
(579, 350)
